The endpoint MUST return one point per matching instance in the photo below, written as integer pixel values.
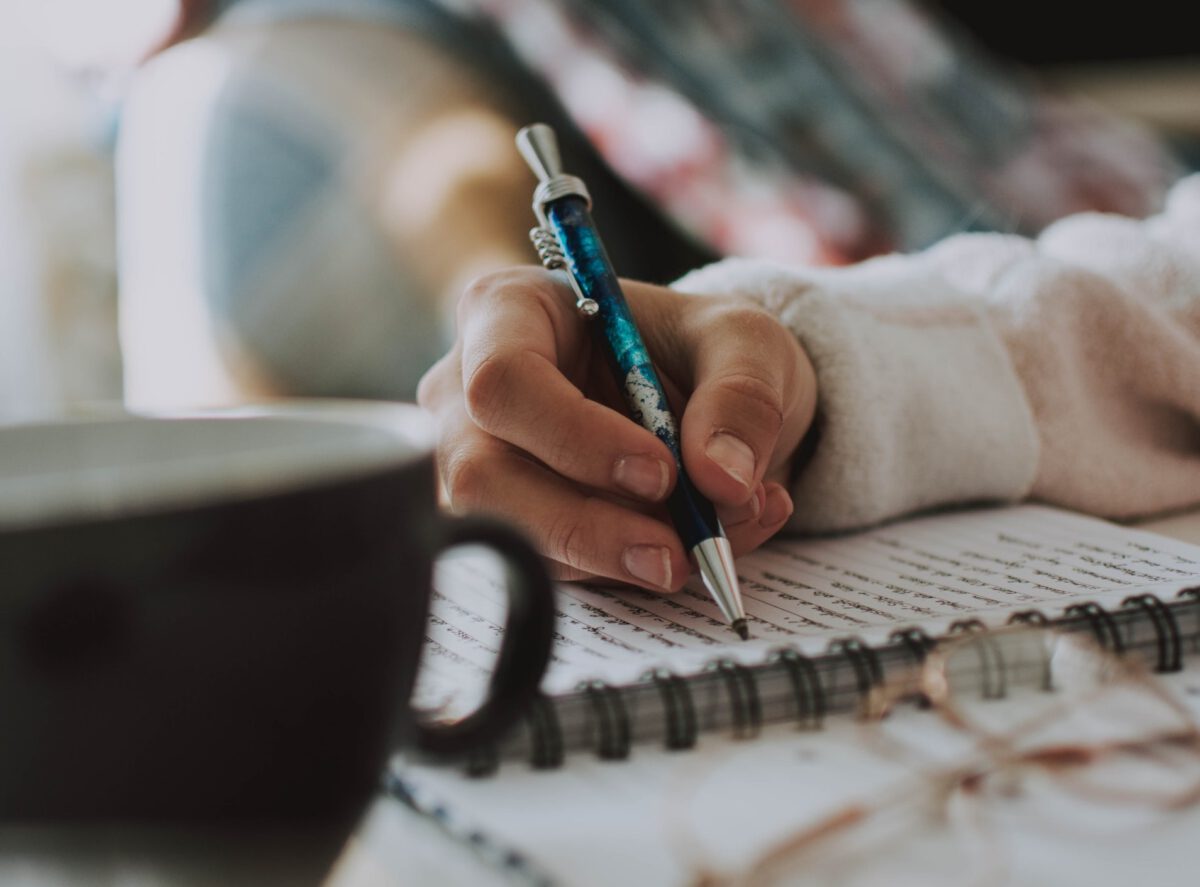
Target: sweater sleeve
(993, 368)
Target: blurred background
(62, 70)
(112, 288)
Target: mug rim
(385, 436)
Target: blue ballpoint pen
(567, 238)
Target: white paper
(928, 571)
(653, 818)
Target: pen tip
(743, 630)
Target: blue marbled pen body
(693, 515)
(567, 236)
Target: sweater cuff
(917, 400)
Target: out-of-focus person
(306, 185)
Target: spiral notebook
(670, 818)
(828, 616)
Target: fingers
(750, 525)
(505, 403)
(584, 534)
(515, 389)
(747, 527)
(753, 400)
(522, 434)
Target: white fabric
(992, 368)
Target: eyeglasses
(1028, 732)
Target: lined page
(928, 571)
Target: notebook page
(601, 823)
(928, 571)
(596, 822)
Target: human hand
(532, 425)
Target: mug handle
(524, 648)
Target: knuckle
(755, 398)
(748, 322)
(435, 379)
(502, 281)
(464, 476)
(493, 285)
(474, 294)
(480, 288)
(568, 539)
(486, 384)
(759, 332)
(560, 449)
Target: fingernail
(649, 563)
(777, 508)
(751, 511)
(757, 501)
(644, 476)
(733, 455)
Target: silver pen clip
(539, 147)
(552, 258)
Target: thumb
(753, 399)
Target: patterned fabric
(800, 130)
(822, 130)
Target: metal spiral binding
(1104, 629)
(679, 709)
(814, 684)
(552, 258)
(613, 730)
(742, 690)
(1029, 617)
(807, 691)
(865, 662)
(546, 738)
(991, 658)
(482, 761)
(1166, 631)
(1192, 594)
(1038, 619)
(915, 641)
(918, 644)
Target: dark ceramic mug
(220, 616)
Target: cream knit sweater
(994, 368)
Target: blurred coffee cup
(220, 616)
